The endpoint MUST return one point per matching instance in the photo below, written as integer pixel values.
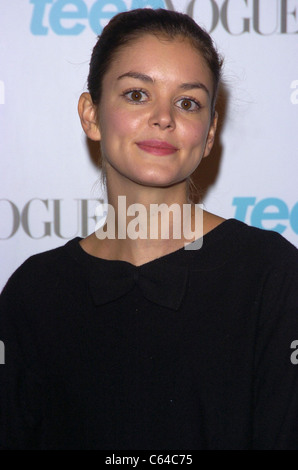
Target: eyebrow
(191, 86)
(137, 75)
(146, 78)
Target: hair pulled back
(128, 26)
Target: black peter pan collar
(160, 282)
(163, 280)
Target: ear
(211, 135)
(88, 116)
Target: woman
(134, 342)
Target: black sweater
(193, 350)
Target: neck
(144, 223)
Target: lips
(157, 147)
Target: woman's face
(155, 112)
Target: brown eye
(186, 104)
(136, 96)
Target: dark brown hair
(128, 26)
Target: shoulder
(260, 262)
(235, 247)
(46, 267)
(261, 246)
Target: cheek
(195, 133)
(118, 123)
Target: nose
(162, 116)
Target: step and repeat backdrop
(50, 185)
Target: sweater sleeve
(21, 390)
(276, 368)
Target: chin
(157, 182)
(158, 179)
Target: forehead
(162, 58)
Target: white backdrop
(48, 180)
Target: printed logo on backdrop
(236, 17)
(270, 213)
(71, 17)
(40, 218)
